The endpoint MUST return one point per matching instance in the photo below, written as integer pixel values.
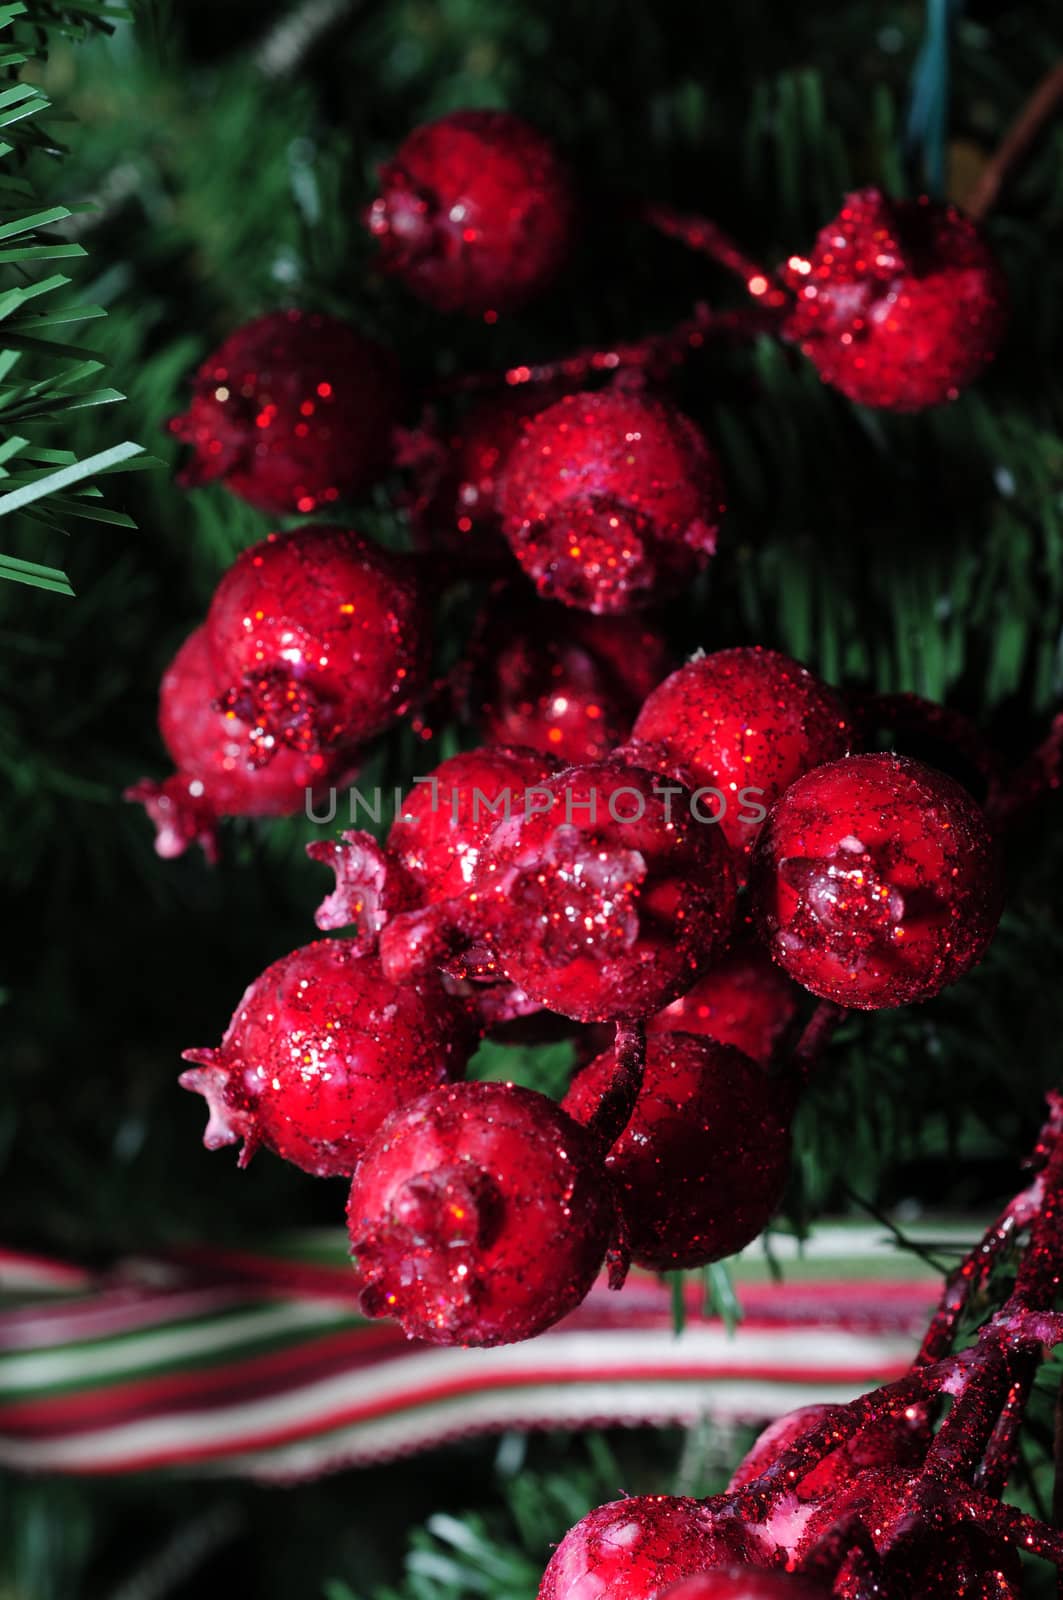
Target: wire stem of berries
(867, 1500)
(615, 1109)
(699, 234)
(968, 1461)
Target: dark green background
(897, 553)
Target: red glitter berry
(876, 881)
(293, 412)
(322, 636)
(446, 818)
(607, 900)
(475, 212)
(633, 1549)
(479, 1215)
(901, 303)
(454, 506)
(701, 1165)
(319, 1051)
(744, 1000)
(744, 723)
(743, 1583)
(886, 1441)
(431, 855)
(214, 777)
(569, 683)
(609, 499)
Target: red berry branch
(674, 856)
(511, 885)
(868, 1500)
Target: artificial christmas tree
(491, 390)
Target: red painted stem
(698, 233)
(614, 1110)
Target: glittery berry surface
(901, 304)
(743, 1583)
(446, 817)
(320, 639)
(876, 881)
(610, 498)
(292, 413)
(319, 1051)
(475, 212)
(746, 723)
(633, 1549)
(568, 682)
(744, 999)
(454, 505)
(214, 777)
(937, 1560)
(608, 900)
(701, 1165)
(887, 1441)
(479, 1215)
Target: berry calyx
(214, 777)
(744, 723)
(320, 1050)
(321, 639)
(876, 881)
(901, 303)
(475, 212)
(479, 1215)
(410, 896)
(608, 899)
(701, 1165)
(293, 412)
(371, 887)
(609, 499)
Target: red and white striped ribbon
(260, 1366)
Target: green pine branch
(43, 378)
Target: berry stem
(820, 1563)
(968, 1462)
(614, 1110)
(657, 353)
(961, 1441)
(969, 1276)
(698, 233)
(841, 1423)
(993, 1474)
(1042, 104)
(815, 1037)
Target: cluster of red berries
(607, 499)
(664, 854)
(611, 891)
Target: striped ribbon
(260, 1366)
